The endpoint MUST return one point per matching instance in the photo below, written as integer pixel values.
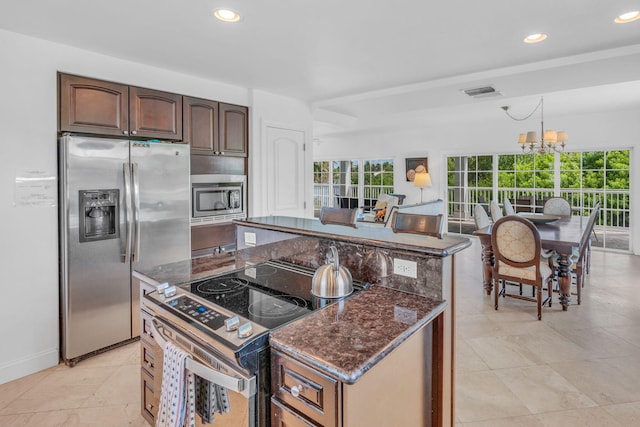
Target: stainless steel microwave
(217, 198)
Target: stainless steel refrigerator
(124, 205)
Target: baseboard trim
(28, 365)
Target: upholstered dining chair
(480, 217)
(508, 207)
(430, 225)
(516, 249)
(338, 216)
(496, 211)
(557, 206)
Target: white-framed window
(351, 183)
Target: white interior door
(285, 171)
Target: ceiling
(361, 59)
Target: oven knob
(232, 323)
(245, 330)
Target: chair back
(496, 211)
(508, 207)
(557, 206)
(338, 216)
(480, 217)
(430, 225)
(516, 242)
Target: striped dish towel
(177, 399)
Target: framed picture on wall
(416, 165)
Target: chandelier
(551, 141)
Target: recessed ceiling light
(535, 38)
(227, 15)
(627, 17)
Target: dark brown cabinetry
(233, 130)
(93, 106)
(201, 125)
(106, 108)
(215, 129)
(155, 114)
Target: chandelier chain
(526, 117)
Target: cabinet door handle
(134, 132)
(149, 407)
(222, 153)
(296, 390)
(149, 364)
(126, 132)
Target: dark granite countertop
(188, 270)
(374, 236)
(349, 337)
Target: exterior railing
(323, 195)
(614, 204)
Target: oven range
(224, 323)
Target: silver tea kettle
(332, 280)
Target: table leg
(564, 280)
(487, 266)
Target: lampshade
(550, 136)
(532, 137)
(562, 136)
(422, 180)
(522, 138)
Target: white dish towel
(177, 399)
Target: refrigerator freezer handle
(135, 256)
(126, 172)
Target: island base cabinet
(398, 391)
(281, 416)
(403, 389)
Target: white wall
(28, 114)
(269, 108)
(606, 130)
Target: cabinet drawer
(151, 358)
(281, 416)
(149, 398)
(146, 332)
(312, 393)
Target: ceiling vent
(482, 92)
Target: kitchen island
(397, 332)
(415, 264)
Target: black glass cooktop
(269, 294)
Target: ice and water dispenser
(98, 214)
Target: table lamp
(422, 180)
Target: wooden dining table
(560, 236)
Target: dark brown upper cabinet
(105, 108)
(155, 114)
(201, 125)
(233, 130)
(93, 106)
(215, 129)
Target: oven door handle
(244, 386)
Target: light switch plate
(249, 238)
(403, 267)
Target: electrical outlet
(249, 238)
(406, 268)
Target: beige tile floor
(574, 368)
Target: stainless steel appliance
(224, 323)
(217, 198)
(123, 205)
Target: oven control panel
(198, 312)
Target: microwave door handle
(244, 386)
(126, 174)
(135, 256)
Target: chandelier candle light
(551, 140)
